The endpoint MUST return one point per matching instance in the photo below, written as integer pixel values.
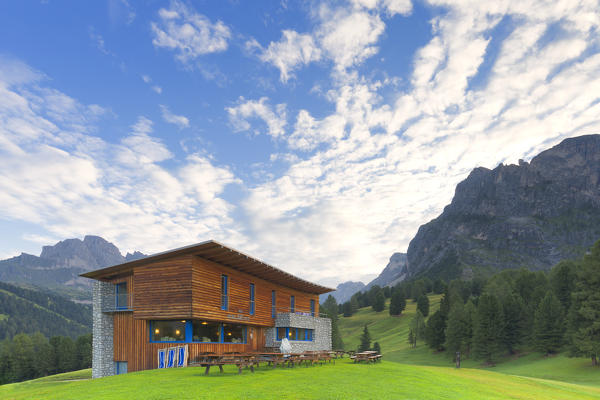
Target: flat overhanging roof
(220, 254)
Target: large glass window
(234, 333)
(206, 332)
(295, 334)
(312, 308)
(252, 299)
(224, 292)
(168, 331)
(189, 331)
(292, 304)
(121, 300)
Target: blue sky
(317, 136)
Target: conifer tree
(379, 302)
(353, 305)
(434, 332)
(365, 340)
(398, 302)
(512, 310)
(488, 330)
(562, 280)
(549, 324)
(456, 329)
(416, 329)
(331, 308)
(586, 338)
(377, 347)
(347, 309)
(423, 305)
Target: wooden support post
(207, 369)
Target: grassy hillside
(29, 311)
(392, 332)
(344, 380)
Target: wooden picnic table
(241, 360)
(368, 356)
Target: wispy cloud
(70, 182)
(189, 33)
(245, 110)
(179, 120)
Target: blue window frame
(120, 367)
(194, 331)
(273, 304)
(292, 304)
(312, 308)
(224, 292)
(252, 299)
(121, 296)
(297, 334)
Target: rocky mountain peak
(527, 215)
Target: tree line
(28, 311)
(30, 356)
(517, 310)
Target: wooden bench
(240, 360)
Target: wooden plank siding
(163, 290)
(189, 287)
(131, 343)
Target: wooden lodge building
(209, 296)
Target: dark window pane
(224, 292)
(234, 333)
(280, 333)
(206, 332)
(292, 334)
(168, 331)
(121, 291)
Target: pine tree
(398, 302)
(549, 325)
(354, 305)
(379, 302)
(377, 347)
(456, 329)
(562, 280)
(470, 313)
(434, 332)
(83, 350)
(423, 305)
(330, 306)
(417, 328)
(488, 330)
(587, 296)
(365, 340)
(347, 309)
(512, 309)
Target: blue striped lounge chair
(182, 356)
(171, 357)
(162, 357)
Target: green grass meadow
(405, 373)
(344, 380)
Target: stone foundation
(102, 334)
(321, 334)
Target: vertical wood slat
(190, 287)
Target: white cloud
(157, 89)
(290, 52)
(71, 183)
(179, 120)
(249, 109)
(188, 33)
(381, 169)
(346, 35)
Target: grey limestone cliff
(528, 215)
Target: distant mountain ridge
(58, 267)
(529, 215)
